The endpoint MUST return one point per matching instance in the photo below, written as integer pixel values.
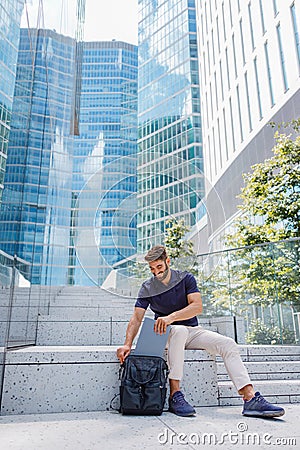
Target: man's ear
(168, 260)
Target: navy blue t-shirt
(164, 300)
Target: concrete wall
(72, 379)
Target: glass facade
(10, 17)
(67, 185)
(256, 71)
(170, 159)
(105, 154)
(35, 212)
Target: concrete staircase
(93, 316)
(84, 316)
(74, 367)
(274, 370)
(22, 311)
(85, 378)
(73, 315)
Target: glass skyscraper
(170, 163)
(35, 212)
(10, 17)
(70, 179)
(105, 153)
(250, 67)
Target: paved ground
(213, 427)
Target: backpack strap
(111, 405)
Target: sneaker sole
(264, 413)
(183, 415)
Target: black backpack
(143, 385)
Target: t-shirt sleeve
(191, 284)
(143, 299)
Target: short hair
(155, 253)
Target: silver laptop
(149, 343)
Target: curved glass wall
(69, 201)
(249, 293)
(259, 286)
(68, 210)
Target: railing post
(8, 324)
(276, 294)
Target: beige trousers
(197, 338)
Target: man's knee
(178, 332)
(229, 345)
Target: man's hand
(161, 324)
(123, 352)
(131, 332)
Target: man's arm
(193, 308)
(131, 332)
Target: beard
(163, 275)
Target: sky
(104, 19)
(111, 19)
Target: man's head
(158, 261)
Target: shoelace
(260, 399)
(180, 399)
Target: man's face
(160, 268)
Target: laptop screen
(150, 343)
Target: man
(174, 298)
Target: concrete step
(72, 379)
(62, 295)
(266, 353)
(75, 289)
(90, 300)
(86, 290)
(24, 296)
(93, 312)
(89, 313)
(91, 304)
(79, 293)
(275, 391)
(272, 370)
(84, 332)
(45, 379)
(99, 328)
(48, 306)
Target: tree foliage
(262, 269)
(180, 249)
(260, 333)
(177, 246)
(271, 195)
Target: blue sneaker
(258, 406)
(179, 406)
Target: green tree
(260, 333)
(271, 196)
(180, 249)
(271, 215)
(175, 243)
